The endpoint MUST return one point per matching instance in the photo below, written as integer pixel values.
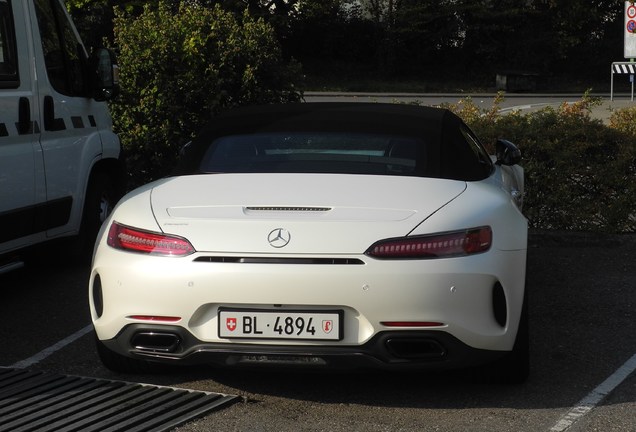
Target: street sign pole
(612, 83)
(631, 79)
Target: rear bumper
(390, 350)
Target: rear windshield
(305, 152)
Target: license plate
(280, 324)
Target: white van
(60, 167)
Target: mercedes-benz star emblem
(279, 238)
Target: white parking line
(53, 348)
(590, 401)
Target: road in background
(512, 101)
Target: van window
(8, 61)
(64, 56)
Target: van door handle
(24, 116)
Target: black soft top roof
(330, 117)
(438, 126)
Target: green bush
(580, 173)
(179, 65)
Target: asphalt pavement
(607, 106)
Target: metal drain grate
(38, 401)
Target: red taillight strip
(155, 318)
(442, 245)
(136, 240)
(412, 324)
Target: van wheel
(101, 197)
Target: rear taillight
(135, 240)
(442, 245)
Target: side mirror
(185, 148)
(507, 153)
(105, 73)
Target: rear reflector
(135, 240)
(155, 318)
(442, 245)
(412, 324)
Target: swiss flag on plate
(230, 323)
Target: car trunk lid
(320, 213)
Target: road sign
(623, 68)
(630, 30)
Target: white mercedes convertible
(321, 235)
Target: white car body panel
(213, 211)
(462, 304)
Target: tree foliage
(394, 39)
(180, 64)
(481, 36)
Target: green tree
(182, 63)
(93, 19)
